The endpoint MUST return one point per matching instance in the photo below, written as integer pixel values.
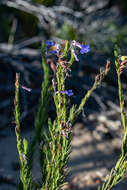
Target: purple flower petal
(52, 52)
(85, 49)
(50, 43)
(67, 92)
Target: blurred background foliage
(67, 32)
(45, 2)
(100, 24)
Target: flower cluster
(55, 48)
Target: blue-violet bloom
(55, 49)
(85, 49)
(50, 43)
(52, 52)
(67, 92)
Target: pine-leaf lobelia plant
(117, 173)
(53, 137)
(25, 173)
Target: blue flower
(67, 92)
(50, 43)
(52, 52)
(84, 49)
